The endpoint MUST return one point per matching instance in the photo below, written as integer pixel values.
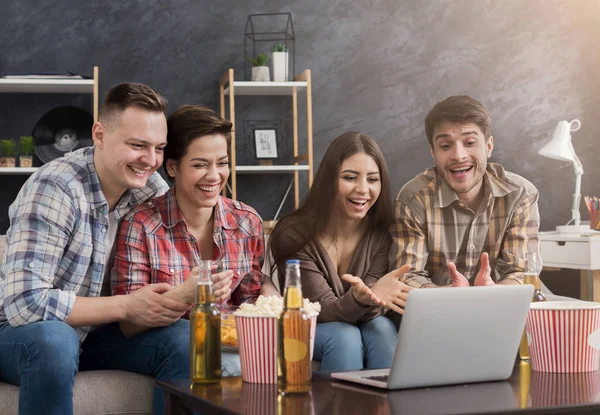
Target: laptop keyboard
(383, 378)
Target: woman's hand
(221, 284)
(361, 292)
(392, 291)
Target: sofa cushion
(98, 392)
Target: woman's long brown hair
(318, 212)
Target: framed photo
(265, 141)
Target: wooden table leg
(583, 285)
(174, 406)
(595, 277)
(590, 285)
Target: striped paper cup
(564, 336)
(257, 341)
(313, 330)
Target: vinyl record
(61, 130)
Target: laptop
(452, 336)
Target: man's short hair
(130, 94)
(460, 109)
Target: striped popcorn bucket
(564, 336)
(257, 341)
(555, 389)
(313, 330)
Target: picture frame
(265, 143)
(248, 150)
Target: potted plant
(260, 70)
(7, 153)
(279, 60)
(26, 147)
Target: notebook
(452, 336)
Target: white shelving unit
(17, 170)
(270, 169)
(302, 84)
(49, 86)
(266, 88)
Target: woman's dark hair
(318, 212)
(188, 123)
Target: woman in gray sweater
(340, 235)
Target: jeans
(343, 346)
(43, 359)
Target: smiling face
(129, 149)
(202, 172)
(359, 186)
(460, 152)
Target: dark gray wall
(378, 67)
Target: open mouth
(460, 171)
(139, 172)
(208, 189)
(359, 202)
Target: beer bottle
(531, 277)
(294, 335)
(205, 331)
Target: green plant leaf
(260, 60)
(26, 145)
(279, 47)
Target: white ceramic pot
(280, 66)
(260, 74)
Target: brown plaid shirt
(434, 227)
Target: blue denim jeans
(343, 346)
(43, 359)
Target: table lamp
(561, 148)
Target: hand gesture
(458, 280)
(146, 307)
(361, 292)
(484, 276)
(221, 282)
(392, 291)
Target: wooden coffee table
(545, 393)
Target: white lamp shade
(560, 147)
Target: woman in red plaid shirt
(162, 240)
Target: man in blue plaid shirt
(55, 315)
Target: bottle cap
(293, 261)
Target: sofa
(95, 392)
(115, 392)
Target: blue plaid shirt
(55, 246)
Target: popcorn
(272, 306)
(312, 309)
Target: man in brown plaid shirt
(464, 222)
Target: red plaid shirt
(154, 246)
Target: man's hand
(458, 280)
(484, 276)
(392, 291)
(146, 307)
(361, 292)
